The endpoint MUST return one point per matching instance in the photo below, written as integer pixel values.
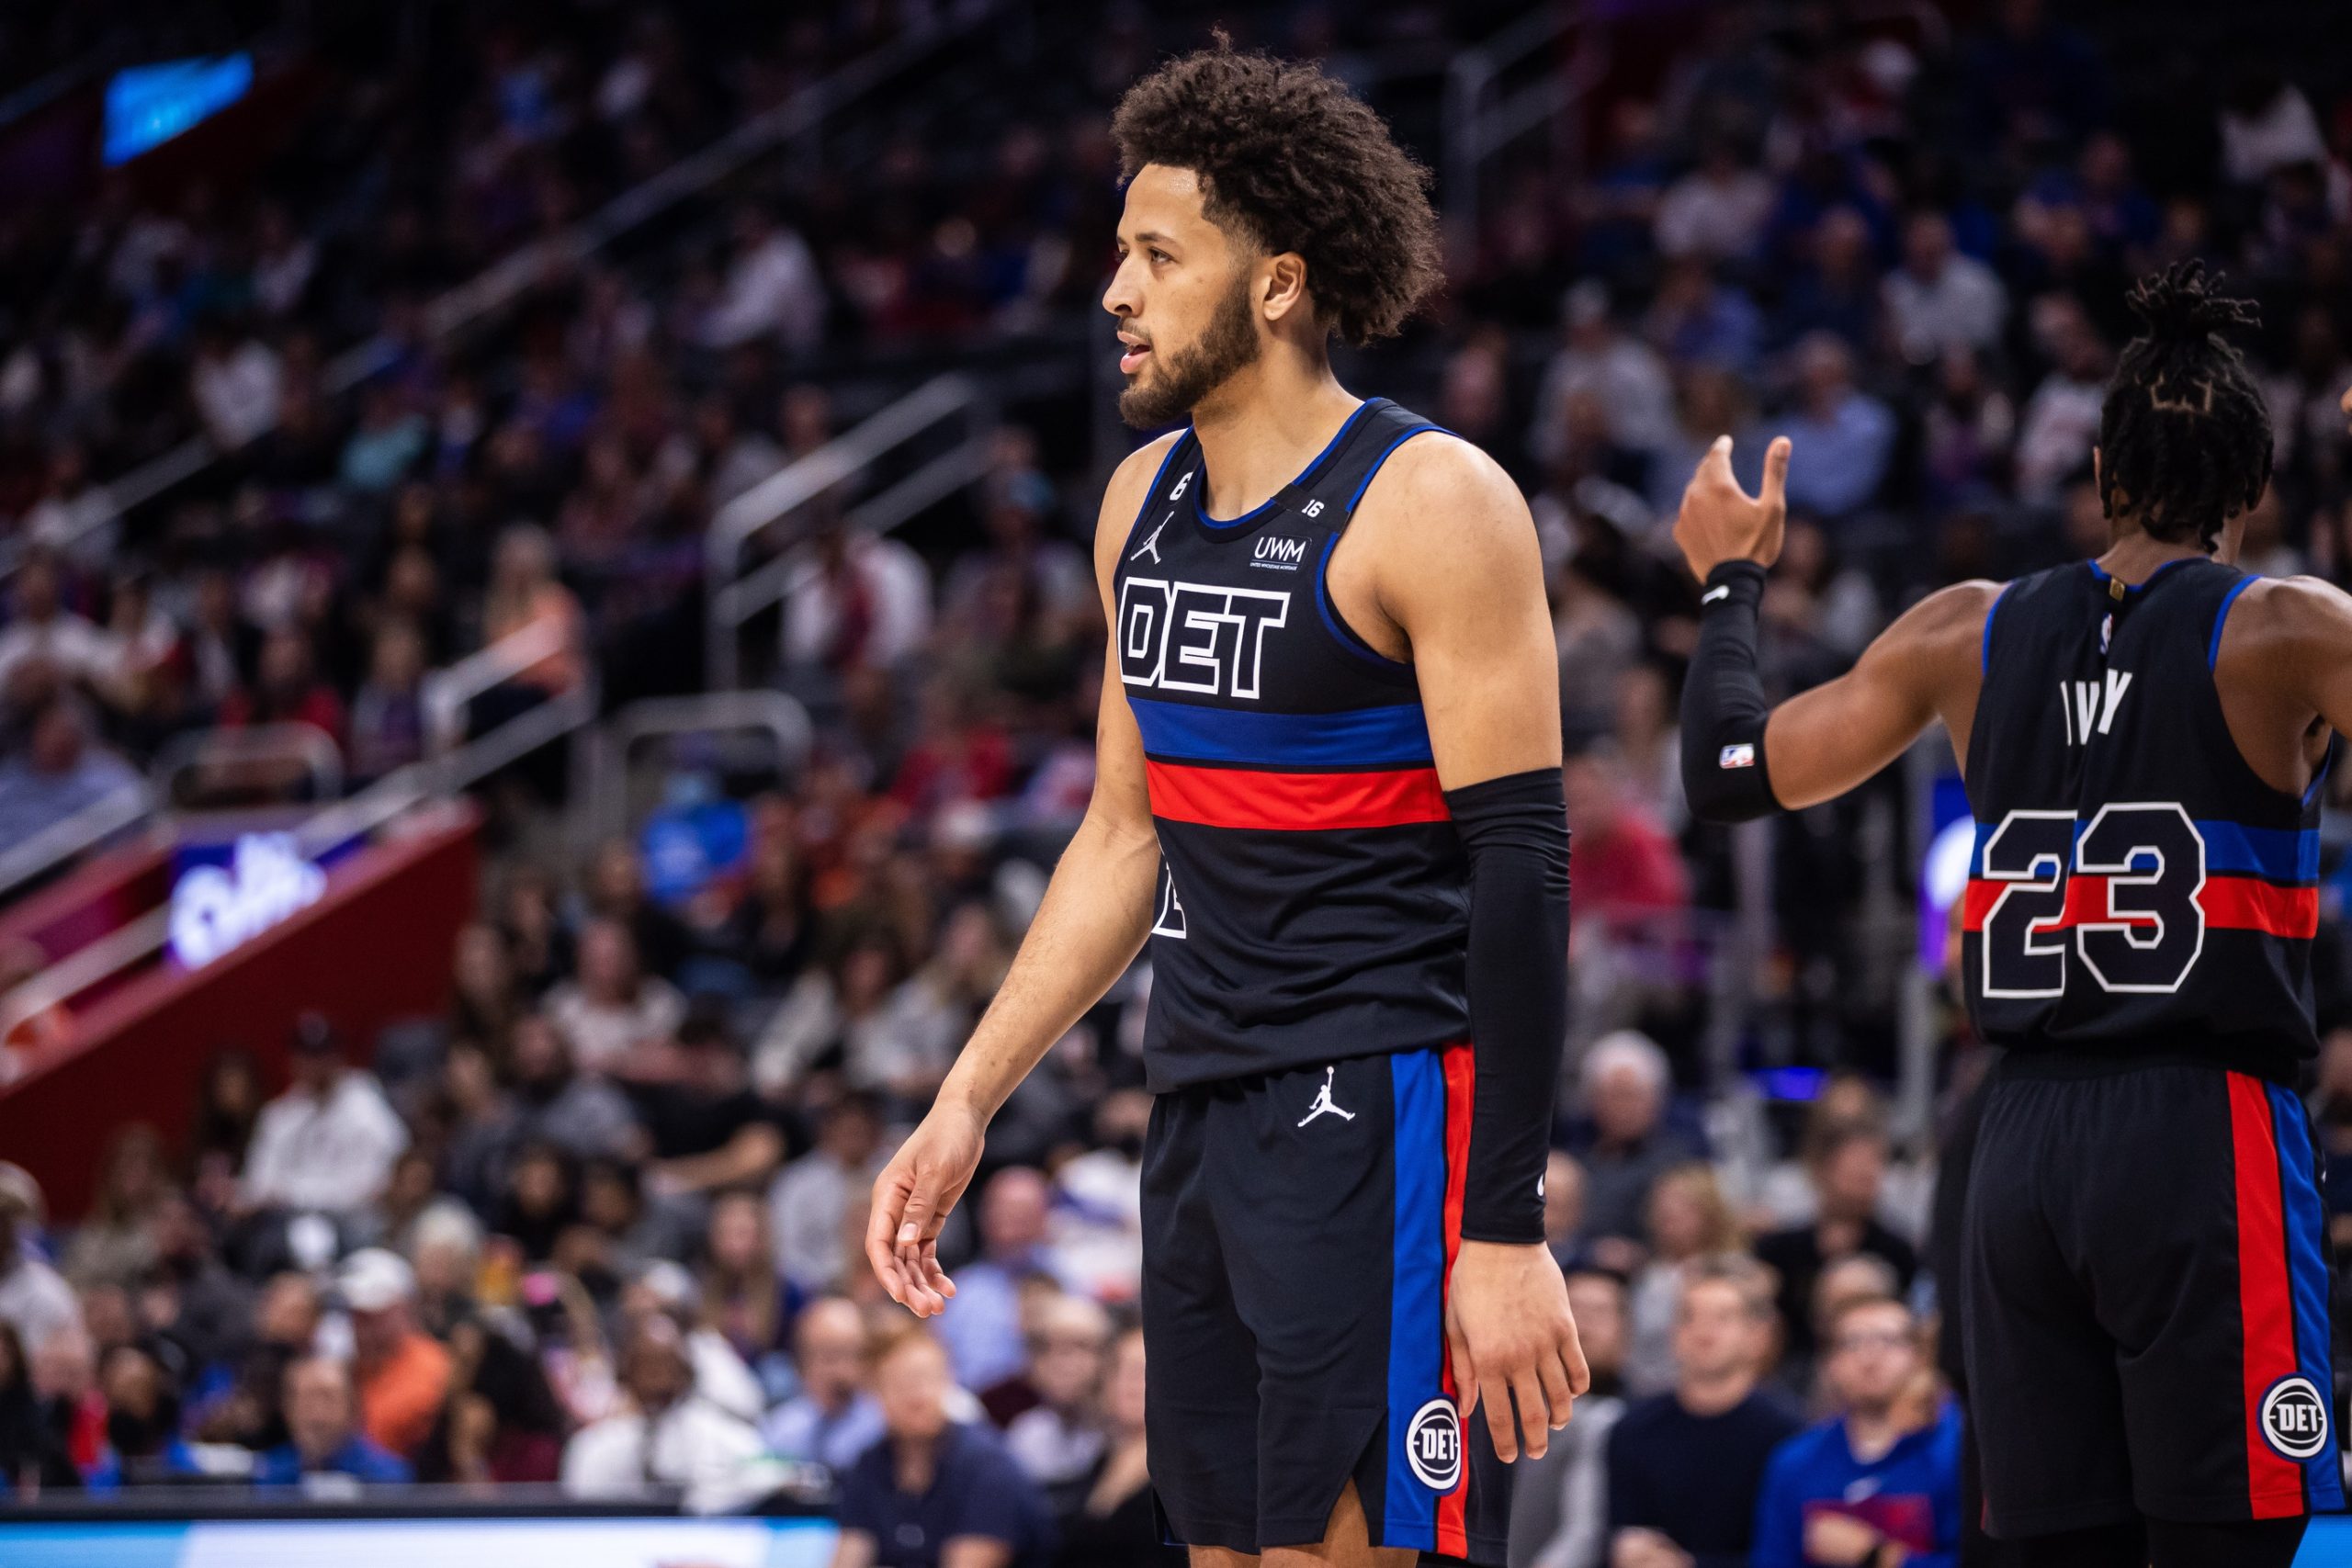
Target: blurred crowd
(599, 1224)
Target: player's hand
(1638, 1547)
(1841, 1540)
(1720, 521)
(914, 1197)
(1512, 1337)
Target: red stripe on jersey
(2266, 1312)
(1461, 1088)
(2231, 903)
(1245, 797)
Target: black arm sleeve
(1515, 832)
(1724, 708)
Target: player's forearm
(1096, 912)
(1723, 707)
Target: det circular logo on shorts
(2294, 1418)
(1433, 1445)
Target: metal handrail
(706, 713)
(730, 600)
(61, 841)
(507, 278)
(388, 798)
(1475, 129)
(219, 745)
(445, 693)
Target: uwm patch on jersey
(2134, 886)
(1312, 903)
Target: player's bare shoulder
(1942, 635)
(1124, 497)
(1442, 515)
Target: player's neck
(2135, 556)
(1264, 424)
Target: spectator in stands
(403, 1373)
(1847, 434)
(1623, 1142)
(387, 711)
(866, 604)
(772, 287)
(1717, 211)
(706, 1128)
(1631, 871)
(1599, 357)
(327, 1145)
(811, 1195)
(34, 1300)
(1105, 1515)
(525, 594)
(31, 1458)
(143, 1443)
(1690, 1223)
(1849, 1170)
(1560, 1503)
(933, 1493)
(836, 1417)
(612, 1007)
(587, 1118)
(1059, 1439)
(42, 635)
(285, 1329)
(742, 1294)
(60, 771)
(2060, 421)
(983, 1333)
(1685, 1466)
(1940, 299)
(1879, 1481)
(113, 1244)
(287, 689)
(323, 1436)
(668, 1433)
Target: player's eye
(1158, 255)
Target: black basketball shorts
(2143, 1294)
(1299, 1231)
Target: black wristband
(1514, 833)
(1723, 710)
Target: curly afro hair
(2185, 433)
(1292, 161)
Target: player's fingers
(1466, 1372)
(1572, 1361)
(1559, 1390)
(1536, 1416)
(1714, 469)
(881, 1229)
(1495, 1394)
(932, 1274)
(1776, 474)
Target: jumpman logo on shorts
(1324, 1105)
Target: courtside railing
(733, 595)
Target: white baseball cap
(374, 1279)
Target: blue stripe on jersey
(2232, 849)
(1383, 737)
(1985, 663)
(2222, 618)
(1306, 475)
(1415, 1336)
(2307, 1279)
(1370, 474)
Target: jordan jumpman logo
(1324, 1105)
(1152, 543)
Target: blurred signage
(223, 899)
(148, 105)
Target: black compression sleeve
(1724, 708)
(1515, 831)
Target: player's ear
(1282, 285)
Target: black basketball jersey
(2136, 890)
(1313, 903)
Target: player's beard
(1164, 394)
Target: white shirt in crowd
(694, 1444)
(1963, 306)
(772, 287)
(36, 1302)
(898, 587)
(599, 1035)
(237, 393)
(325, 1154)
(76, 648)
(807, 1205)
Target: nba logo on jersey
(1433, 1445)
(1740, 756)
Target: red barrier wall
(375, 949)
(108, 891)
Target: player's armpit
(2297, 638)
(1823, 742)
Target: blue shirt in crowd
(976, 1490)
(1693, 1478)
(358, 1457)
(1909, 1494)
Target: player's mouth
(1132, 359)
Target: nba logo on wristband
(1740, 756)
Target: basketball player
(2144, 1294)
(1328, 794)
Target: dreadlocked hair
(2184, 435)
